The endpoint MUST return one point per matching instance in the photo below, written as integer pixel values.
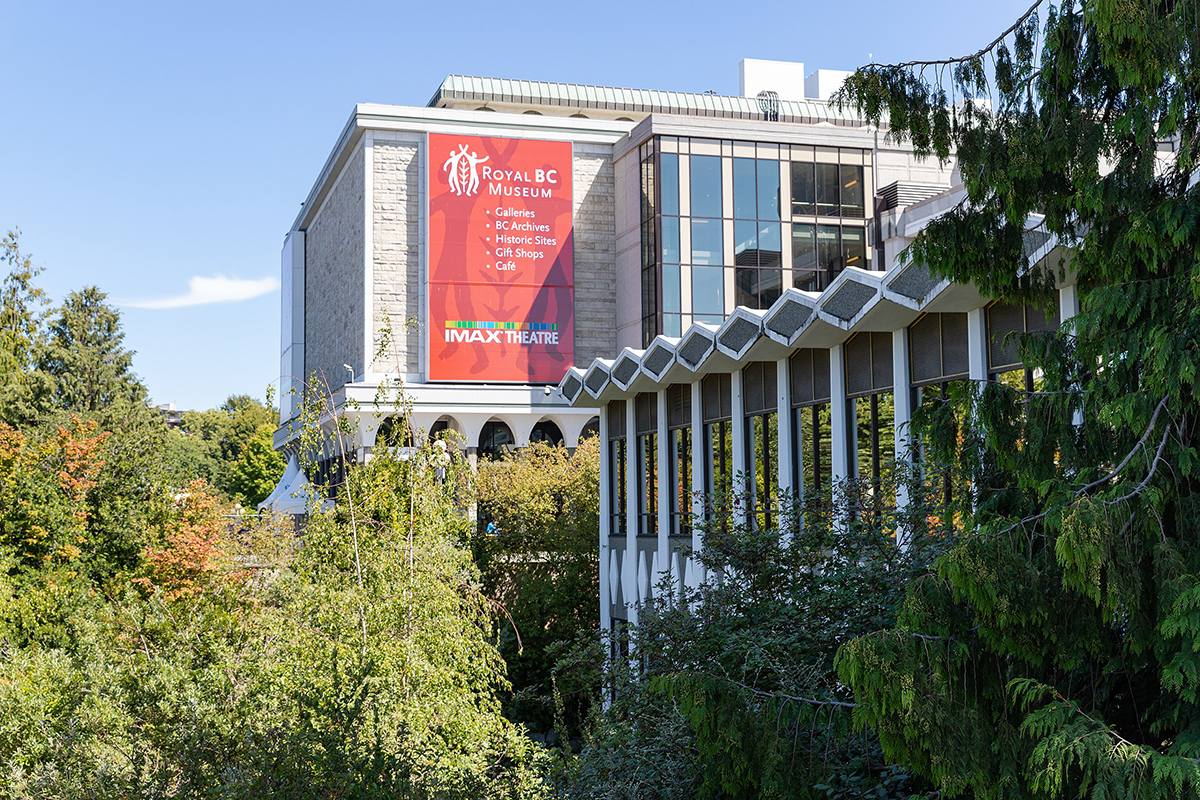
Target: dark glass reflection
(804, 258)
(828, 196)
(770, 244)
(854, 248)
(745, 244)
(670, 287)
(707, 241)
(708, 291)
(706, 186)
(804, 189)
(669, 181)
(670, 240)
(744, 192)
(768, 189)
(852, 192)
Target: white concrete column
(1068, 307)
(839, 422)
(977, 349)
(629, 574)
(783, 456)
(665, 488)
(738, 424)
(368, 363)
(902, 406)
(605, 519)
(699, 454)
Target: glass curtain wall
(646, 416)
(812, 436)
(869, 394)
(679, 429)
(726, 223)
(760, 398)
(757, 232)
(939, 368)
(717, 398)
(829, 227)
(650, 294)
(617, 466)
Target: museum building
(709, 283)
(470, 299)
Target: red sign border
(426, 346)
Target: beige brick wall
(397, 239)
(333, 280)
(595, 254)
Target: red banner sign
(501, 260)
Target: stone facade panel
(333, 281)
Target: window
(869, 385)
(717, 411)
(811, 427)
(708, 293)
(821, 249)
(758, 233)
(820, 252)
(707, 242)
(646, 416)
(546, 431)
(679, 421)
(495, 439)
(804, 189)
(649, 249)
(617, 465)
(760, 400)
(706, 186)
(851, 180)
(669, 179)
(828, 191)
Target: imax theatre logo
(464, 171)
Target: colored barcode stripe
(504, 326)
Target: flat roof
(646, 101)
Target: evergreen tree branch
(963, 59)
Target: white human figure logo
(464, 172)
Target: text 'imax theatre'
(708, 283)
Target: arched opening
(546, 431)
(495, 439)
(485, 108)
(579, 116)
(624, 119)
(438, 428)
(591, 429)
(534, 113)
(392, 432)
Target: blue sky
(161, 150)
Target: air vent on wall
(899, 194)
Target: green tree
(1052, 651)
(257, 469)
(536, 549)
(22, 304)
(732, 691)
(209, 443)
(84, 353)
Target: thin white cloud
(206, 291)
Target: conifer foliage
(1054, 650)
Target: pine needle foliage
(1052, 651)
